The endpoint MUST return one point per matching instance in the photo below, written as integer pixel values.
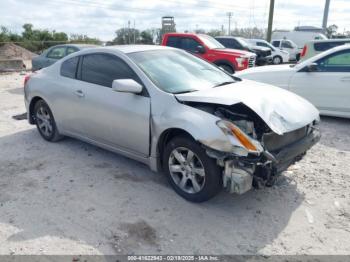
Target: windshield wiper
(184, 92)
(224, 83)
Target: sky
(101, 18)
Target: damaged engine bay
(274, 153)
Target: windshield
(243, 42)
(269, 45)
(210, 42)
(175, 71)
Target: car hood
(269, 69)
(281, 110)
(260, 48)
(229, 51)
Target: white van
(300, 38)
(278, 56)
(289, 46)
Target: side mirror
(200, 49)
(126, 86)
(313, 67)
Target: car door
(287, 46)
(54, 54)
(69, 100)
(119, 120)
(328, 88)
(191, 45)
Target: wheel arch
(32, 103)
(165, 137)
(225, 62)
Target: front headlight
(231, 130)
(240, 60)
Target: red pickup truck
(208, 48)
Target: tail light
(26, 78)
(303, 53)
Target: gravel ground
(74, 198)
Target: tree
(126, 36)
(214, 32)
(146, 37)
(78, 38)
(331, 31)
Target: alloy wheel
(186, 170)
(44, 121)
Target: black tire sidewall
(213, 177)
(228, 69)
(54, 133)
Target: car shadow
(77, 198)
(335, 132)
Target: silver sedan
(202, 127)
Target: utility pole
(325, 15)
(129, 32)
(134, 33)
(229, 14)
(269, 27)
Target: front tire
(277, 60)
(193, 175)
(227, 68)
(45, 122)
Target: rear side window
(57, 52)
(69, 67)
(102, 69)
(172, 41)
(323, 46)
(276, 43)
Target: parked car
(315, 47)
(54, 53)
(174, 112)
(209, 49)
(324, 80)
(263, 54)
(300, 38)
(278, 56)
(289, 46)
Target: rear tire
(45, 122)
(192, 174)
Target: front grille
(251, 61)
(267, 53)
(274, 142)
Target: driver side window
(286, 44)
(338, 62)
(189, 44)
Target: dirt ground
(74, 198)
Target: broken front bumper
(240, 175)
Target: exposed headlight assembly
(239, 139)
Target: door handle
(79, 93)
(345, 79)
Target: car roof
(126, 49)
(226, 36)
(80, 46)
(257, 39)
(330, 40)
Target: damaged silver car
(202, 127)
